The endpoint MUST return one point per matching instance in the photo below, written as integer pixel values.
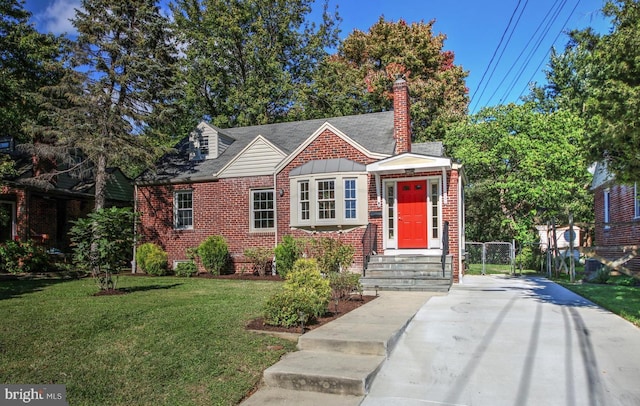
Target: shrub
(333, 255)
(602, 275)
(102, 243)
(287, 253)
(261, 258)
(305, 294)
(343, 283)
(16, 257)
(186, 269)
(214, 254)
(152, 259)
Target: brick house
(43, 208)
(617, 219)
(341, 177)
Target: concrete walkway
(495, 340)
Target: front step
(408, 273)
(324, 372)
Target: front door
(412, 214)
(7, 221)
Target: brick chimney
(401, 116)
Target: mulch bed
(344, 307)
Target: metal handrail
(445, 246)
(369, 244)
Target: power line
(496, 50)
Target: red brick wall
(219, 208)
(326, 146)
(623, 228)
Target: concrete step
(407, 259)
(404, 272)
(324, 372)
(288, 397)
(414, 284)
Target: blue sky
(474, 31)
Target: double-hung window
(329, 200)
(183, 210)
(262, 210)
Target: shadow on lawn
(145, 288)
(11, 286)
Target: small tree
(287, 253)
(333, 255)
(102, 243)
(261, 258)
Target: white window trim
(339, 198)
(175, 210)
(252, 227)
(606, 203)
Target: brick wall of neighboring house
(326, 146)
(623, 229)
(219, 208)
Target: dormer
(207, 142)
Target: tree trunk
(101, 182)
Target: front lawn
(170, 341)
(621, 300)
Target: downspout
(276, 195)
(445, 194)
(135, 227)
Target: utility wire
(504, 77)
(496, 50)
(534, 50)
(495, 66)
(544, 58)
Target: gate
(490, 257)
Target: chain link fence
(490, 257)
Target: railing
(369, 244)
(445, 247)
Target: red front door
(412, 214)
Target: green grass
(170, 341)
(621, 300)
(476, 269)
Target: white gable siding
(259, 158)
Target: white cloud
(56, 18)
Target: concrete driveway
(496, 340)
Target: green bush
(261, 258)
(186, 269)
(333, 255)
(152, 259)
(343, 283)
(305, 294)
(287, 253)
(16, 257)
(602, 275)
(214, 254)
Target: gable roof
(373, 132)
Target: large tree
(121, 89)
(245, 59)
(524, 167)
(598, 77)
(27, 62)
(359, 77)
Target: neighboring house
(41, 208)
(617, 216)
(340, 177)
